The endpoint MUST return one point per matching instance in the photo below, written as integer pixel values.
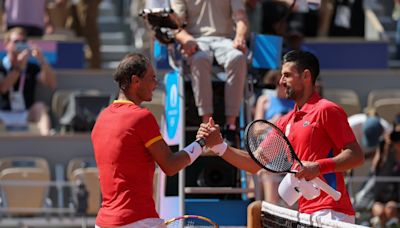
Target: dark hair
(303, 60)
(131, 64)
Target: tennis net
(273, 216)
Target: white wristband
(220, 149)
(194, 150)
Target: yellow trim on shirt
(122, 102)
(153, 140)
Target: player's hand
(210, 132)
(309, 171)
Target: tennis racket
(268, 146)
(190, 221)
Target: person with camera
(20, 70)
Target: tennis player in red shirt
(127, 145)
(319, 133)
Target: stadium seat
(59, 102)
(30, 172)
(24, 162)
(82, 109)
(346, 98)
(387, 108)
(80, 162)
(85, 170)
(378, 94)
(90, 178)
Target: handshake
(210, 132)
(207, 135)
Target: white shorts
(334, 215)
(144, 223)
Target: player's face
(148, 84)
(292, 81)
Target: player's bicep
(337, 127)
(160, 152)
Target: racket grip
(326, 188)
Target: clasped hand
(210, 132)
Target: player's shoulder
(325, 104)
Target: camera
(20, 46)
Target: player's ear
(307, 75)
(134, 78)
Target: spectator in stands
(215, 29)
(33, 16)
(82, 20)
(20, 69)
(369, 129)
(127, 144)
(385, 215)
(378, 218)
(319, 133)
(348, 18)
(391, 213)
(386, 162)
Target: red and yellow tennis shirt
(120, 137)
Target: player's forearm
(175, 163)
(350, 157)
(240, 159)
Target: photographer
(20, 69)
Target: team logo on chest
(306, 123)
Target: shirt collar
(309, 104)
(122, 102)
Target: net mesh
(277, 217)
(267, 145)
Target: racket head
(268, 146)
(190, 221)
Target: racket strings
(269, 147)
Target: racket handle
(326, 188)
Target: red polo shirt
(121, 137)
(320, 130)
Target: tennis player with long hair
(319, 133)
(127, 143)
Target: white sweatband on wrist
(194, 150)
(220, 149)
